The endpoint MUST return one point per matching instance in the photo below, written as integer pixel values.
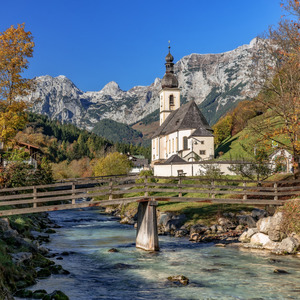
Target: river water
(214, 273)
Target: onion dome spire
(169, 80)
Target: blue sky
(93, 42)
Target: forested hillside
(67, 142)
(118, 132)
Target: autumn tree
(256, 166)
(112, 164)
(16, 46)
(277, 73)
(222, 129)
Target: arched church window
(185, 143)
(171, 100)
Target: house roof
(202, 132)
(28, 146)
(281, 151)
(174, 159)
(187, 116)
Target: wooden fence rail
(103, 191)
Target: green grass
(232, 146)
(201, 213)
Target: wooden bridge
(147, 191)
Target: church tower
(170, 93)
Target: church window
(172, 145)
(171, 100)
(169, 146)
(185, 143)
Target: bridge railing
(102, 191)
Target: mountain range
(216, 82)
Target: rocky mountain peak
(216, 82)
(111, 88)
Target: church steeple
(170, 93)
(169, 80)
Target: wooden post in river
(147, 234)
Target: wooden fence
(103, 191)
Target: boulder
(10, 233)
(4, 224)
(289, 245)
(198, 228)
(23, 293)
(39, 294)
(272, 246)
(276, 235)
(110, 210)
(179, 279)
(181, 232)
(226, 223)
(246, 235)
(58, 269)
(21, 257)
(259, 239)
(214, 228)
(163, 218)
(264, 225)
(43, 250)
(127, 220)
(113, 250)
(273, 224)
(194, 237)
(296, 236)
(280, 271)
(239, 228)
(43, 273)
(174, 223)
(243, 238)
(228, 215)
(259, 213)
(56, 295)
(220, 229)
(247, 220)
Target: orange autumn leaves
(16, 46)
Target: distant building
(35, 153)
(183, 131)
(281, 161)
(139, 163)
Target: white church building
(184, 137)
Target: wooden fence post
(110, 197)
(34, 197)
(179, 183)
(275, 191)
(213, 194)
(244, 190)
(146, 194)
(73, 192)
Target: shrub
(291, 213)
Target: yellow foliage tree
(16, 45)
(112, 164)
(278, 75)
(222, 129)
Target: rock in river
(179, 279)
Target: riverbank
(214, 273)
(236, 225)
(28, 261)
(23, 257)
